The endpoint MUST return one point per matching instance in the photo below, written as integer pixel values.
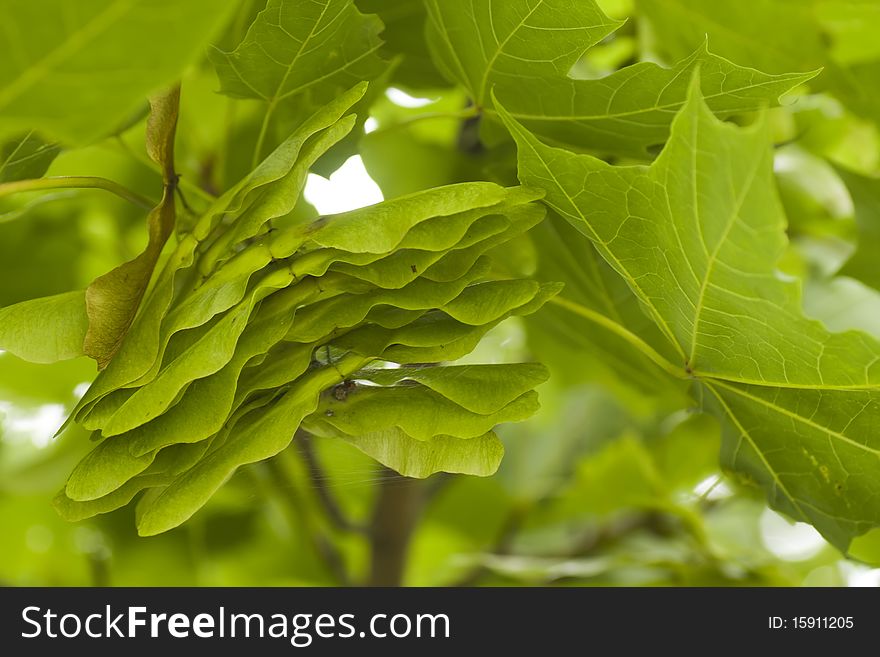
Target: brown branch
(395, 515)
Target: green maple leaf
(293, 46)
(28, 156)
(300, 55)
(779, 36)
(523, 50)
(696, 236)
(76, 70)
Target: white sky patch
(861, 576)
(80, 390)
(790, 541)
(371, 125)
(784, 162)
(348, 188)
(403, 99)
(713, 488)
(35, 424)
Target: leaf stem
(76, 182)
(332, 508)
(620, 331)
(261, 139)
(183, 183)
(280, 470)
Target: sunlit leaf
(696, 236)
(74, 72)
(523, 51)
(45, 330)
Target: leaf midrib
(794, 416)
(481, 93)
(713, 257)
(6, 162)
(658, 318)
(744, 433)
(277, 95)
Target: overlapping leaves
(523, 50)
(696, 236)
(781, 35)
(297, 56)
(249, 332)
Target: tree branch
(394, 517)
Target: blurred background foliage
(611, 484)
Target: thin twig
(147, 162)
(629, 336)
(76, 182)
(325, 549)
(264, 129)
(331, 507)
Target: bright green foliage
(299, 55)
(25, 157)
(523, 52)
(850, 23)
(45, 330)
(415, 458)
(150, 334)
(484, 45)
(590, 283)
(205, 390)
(285, 52)
(404, 35)
(125, 50)
(785, 25)
(630, 111)
(779, 36)
(578, 206)
(697, 245)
